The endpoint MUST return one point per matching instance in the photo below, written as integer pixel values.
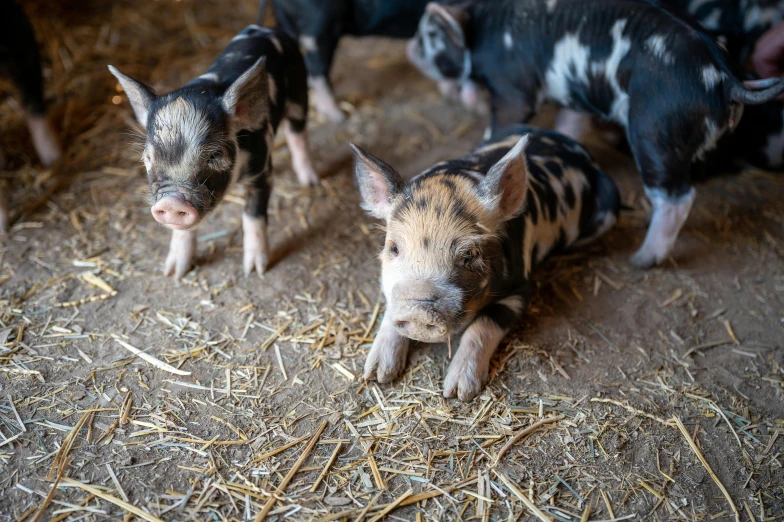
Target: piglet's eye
(216, 155)
(393, 249)
(471, 259)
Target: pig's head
(190, 150)
(439, 49)
(442, 243)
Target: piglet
(218, 130)
(673, 88)
(463, 237)
(21, 61)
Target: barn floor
(616, 354)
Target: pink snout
(175, 212)
(416, 316)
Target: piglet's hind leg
(182, 250)
(669, 215)
(300, 156)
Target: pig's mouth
(422, 324)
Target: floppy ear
(454, 18)
(378, 183)
(140, 95)
(247, 99)
(504, 188)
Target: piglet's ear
(504, 188)
(247, 99)
(455, 18)
(378, 183)
(140, 95)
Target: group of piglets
(463, 237)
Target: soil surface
(617, 352)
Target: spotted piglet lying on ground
(673, 88)
(218, 130)
(463, 237)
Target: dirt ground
(616, 353)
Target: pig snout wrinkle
(175, 211)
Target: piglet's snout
(175, 211)
(416, 315)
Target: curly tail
(755, 92)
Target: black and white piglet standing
(319, 25)
(21, 61)
(217, 130)
(463, 237)
(671, 86)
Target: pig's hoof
(307, 177)
(464, 379)
(333, 114)
(645, 259)
(176, 265)
(387, 357)
(254, 260)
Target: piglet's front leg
(468, 371)
(254, 226)
(182, 250)
(387, 357)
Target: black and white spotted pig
(738, 23)
(319, 25)
(21, 61)
(463, 237)
(218, 130)
(669, 84)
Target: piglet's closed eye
(378, 182)
(504, 188)
(247, 99)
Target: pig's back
(570, 200)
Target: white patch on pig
(658, 47)
(711, 76)
(669, 215)
(44, 139)
(619, 112)
(210, 77)
(325, 99)
(712, 21)
(240, 165)
(308, 43)
(569, 64)
(175, 121)
(756, 15)
(254, 244)
(712, 135)
(514, 303)
(295, 111)
(182, 250)
(273, 89)
(276, 43)
(468, 371)
(774, 149)
(508, 41)
(300, 156)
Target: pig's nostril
(431, 327)
(183, 213)
(401, 324)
